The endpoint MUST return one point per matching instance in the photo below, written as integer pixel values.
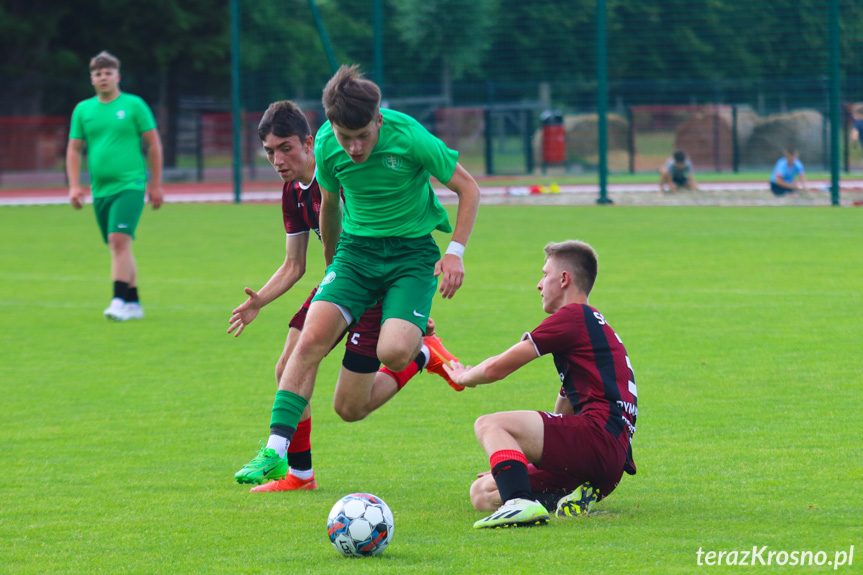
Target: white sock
(427, 353)
(279, 444)
(302, 473)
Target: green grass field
(118, 442)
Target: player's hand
(156, 196)
(429, 327)
(245, 313)
(456, 371)
(76, 197)
(450, 268)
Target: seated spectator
(857, 129)
(676, 173)
(788, 175)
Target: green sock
(287, 409)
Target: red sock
(509, 469)
(506, 455)
(302, 437)
(403, 376)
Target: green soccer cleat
(578, 502)
(515, 513)
(266, 466)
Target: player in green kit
(381, 160)
(113, 124)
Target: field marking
(48, 197)
(92, 306)
(819, 293)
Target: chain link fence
(513, 85)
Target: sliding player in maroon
(577, 454)
(362, 387)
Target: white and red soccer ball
(360, 525)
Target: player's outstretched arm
(281, 281)
(154, 157)
(563, 406)
(494, 368)
(74, 151)
(450, 267)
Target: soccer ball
(360, 525)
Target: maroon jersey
(594, 370)
(301, 207)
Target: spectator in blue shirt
(786, 173)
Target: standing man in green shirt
(381, 160)
(113, 124)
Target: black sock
(120, 289)
(300, 460)
(132, 294)
(512, 480)
(420, 360)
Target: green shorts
(119, 213)
(398, 271)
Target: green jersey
(388, 195)
(113, 135)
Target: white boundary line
(446, 194)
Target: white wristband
(455, 249)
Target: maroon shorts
(575, 449)
(362, 339)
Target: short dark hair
(349, 100)
(578, 258)
(679, 156)
(284, 119)
(104, 59)
(790, 150)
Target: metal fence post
(834, 102)
(527, 122)
(199, 145)
(489, 141)
(602, 99)
(735, 143)
(236, 104)
(631, 139)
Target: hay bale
(803, 129)
(455, 125)
(710, 131)
(582, 136)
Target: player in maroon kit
(363, 385)
(576, 455)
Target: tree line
(176, 48)
(183, 46)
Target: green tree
(163, 45)
(544, 41)
(29, 47)
(451, 34)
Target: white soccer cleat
(515, 513)
(133, 310)
(116, 311)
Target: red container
(553, 144)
